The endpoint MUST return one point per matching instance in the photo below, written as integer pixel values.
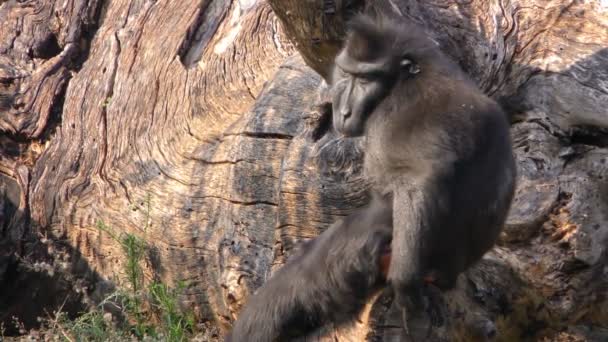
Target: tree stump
(193, 125)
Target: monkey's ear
(409, 65)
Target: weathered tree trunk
(203, 109)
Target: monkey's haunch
(329, 279)
(430, 277)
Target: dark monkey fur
(433, 140)
(329, 279)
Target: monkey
(433, 140)
(327, 279)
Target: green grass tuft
(147, 312)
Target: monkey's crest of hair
(373, 37)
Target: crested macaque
(433, 140)
(328, 279)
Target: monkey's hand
(318, 120)
(430, 278)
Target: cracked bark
(209, 114)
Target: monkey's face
(375, 58)
(359, 87)
(355, 95)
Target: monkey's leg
(417, 324)
(409, 234)
(433, 294)
(435, 307)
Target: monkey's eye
(364, 80)
(405, 62)
(410, 66)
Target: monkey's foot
(416, 322)
(404, 319)
(435, 305)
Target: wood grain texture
(206, 111)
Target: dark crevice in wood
(46, 49)
(87, 33)
(210, 15)
(592, 136)
(548, 126)
(243, 203)
(56, 109)
(264, 135)
(10, 147)
(6, 101)
(220, 162)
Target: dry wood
(206, 109)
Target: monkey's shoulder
(468, 98)
(471, 114)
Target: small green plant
(106, 102)
(90, 326)
(134, 249)
(175, 324)
(137, 302)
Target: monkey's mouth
(351, 128)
